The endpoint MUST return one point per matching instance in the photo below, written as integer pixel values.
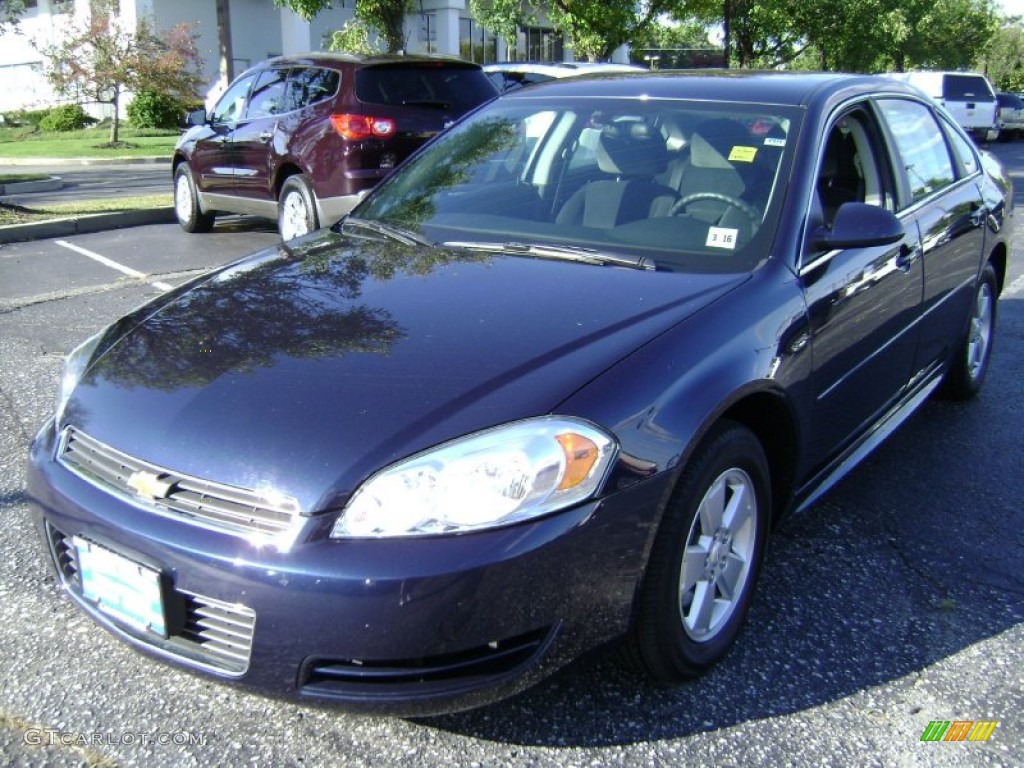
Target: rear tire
(705, 560)
(186, 202)
(970, 364)
(296, 209)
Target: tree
(353, 37)
(502, 19)
(99, 59)
(386, 17)
(1004, 61)
(10, 14)
(594, 29)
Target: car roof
(329, 59)
(561, 69)
(784, 88)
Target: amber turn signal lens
(581, 454)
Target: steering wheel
(734, 202)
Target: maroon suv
(302, 138)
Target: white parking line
(1015, 287)
(111, 263)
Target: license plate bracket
(126, 590)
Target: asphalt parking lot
(896, 600)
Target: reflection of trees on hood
(247, 317)
(298, 302)
(409, 199)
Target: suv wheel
(296, 209)
(186, 202)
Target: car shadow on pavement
(881, 579)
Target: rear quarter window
(310, 85)
(454, 88)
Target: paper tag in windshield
(742, 154)
(721, 237)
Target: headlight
(497, 477)
(75, 366)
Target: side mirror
(859, 225)
(196, 117)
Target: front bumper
(407, 627)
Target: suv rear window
(444, 87)
(966, 88)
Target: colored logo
(959, 730)
(148, 485)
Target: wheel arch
(769, 416)
(284, 172)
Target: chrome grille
(221, 631)
(235, 510)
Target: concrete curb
(43, 185)
(79, 225)
(84, 160)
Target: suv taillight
(362, 126)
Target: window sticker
(774, 141)
(721, 237)
(742, 154)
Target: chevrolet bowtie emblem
(148, 485)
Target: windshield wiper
(404, 236)
(565, 252)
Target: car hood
(308, 366)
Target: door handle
(907, 256)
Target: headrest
(713, 141)
(631, 148)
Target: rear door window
(921, 144)
(441, 87)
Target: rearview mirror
(859, 225)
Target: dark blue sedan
(549, 387)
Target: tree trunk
(227, 56)
(726, 23)
(114, 123)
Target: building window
(476, 44)
(539, 44)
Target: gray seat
(632, 153)
(709, 170)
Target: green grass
(15, 178)
(27, 142)
(19, 215)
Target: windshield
(688, 186)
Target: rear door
(940, 193)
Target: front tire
(967, 373)
(705, 560)
(296, 210)
(186, 202)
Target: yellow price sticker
(742, 154)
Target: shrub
(25, 117)
(66, 117)
(152, 109)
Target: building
(259, 30)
